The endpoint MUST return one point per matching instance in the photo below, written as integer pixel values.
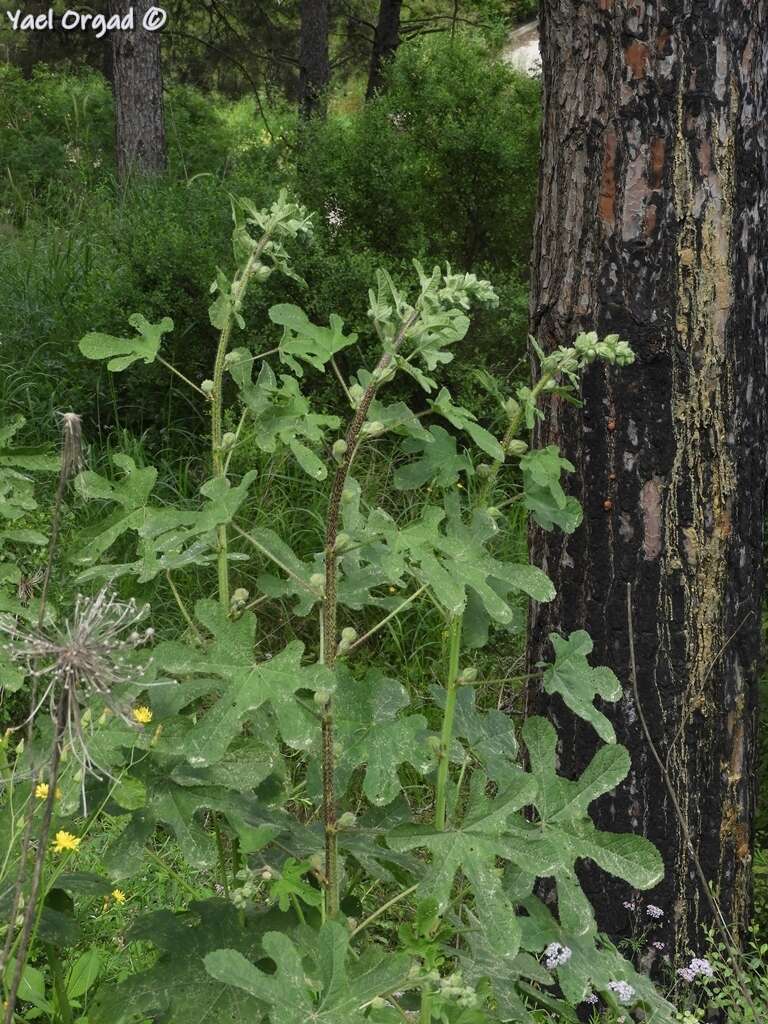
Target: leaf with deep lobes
(122, 352)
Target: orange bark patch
(636, 56)
(705, 158)
(607, 201)
(650, 506)
(656, 165)
(605, 5)
(649, 220)
(662, 39)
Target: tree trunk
(314, 66)
(138, 87)
(385, 43)
(651, 224)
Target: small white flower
(629, 905)
(686, 974)
(334, 216)
(556, 955)
(624, 991)
(654, 911)
(658, 945)
(590, 997)
(700, 965)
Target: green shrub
(444, 161)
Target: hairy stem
(486, 491)
(179, 374)
(221, 855)
(182, 607)
(446, 735)
(239, 287)
(383, 909)
(330, 643)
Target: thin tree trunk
(651, 224)
(138, 87)
(385, 43)
(314, 65)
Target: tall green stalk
(446, 735)
(330, 642)
(455, 627)
(239, 288)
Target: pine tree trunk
(385, 43)
(651, 224)
(314, 65)
(138, 88)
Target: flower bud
(228, 440)
(511, 407)
(347, 820)
(483, 470)
(348, 637)
(517, 447)
(468, 675)
(373, 429)
(343, 540)
(322, 697)
(339, 449)
(240, 596)
(317, 580)
(347, 495)
(207, 388)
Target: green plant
(282, 767)
(713, 985)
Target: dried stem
(71, 461)
(37, 872)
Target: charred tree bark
(138, 87)
(651, 224)
(314, 64)
(385, 43)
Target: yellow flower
(118, 896)
(65, 841)
(142, 715)
(42, 789)
(393, 590)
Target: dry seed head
(83, 656)
(71, 444)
